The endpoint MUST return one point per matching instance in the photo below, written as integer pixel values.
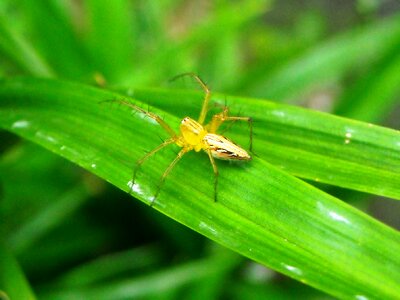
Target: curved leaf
(309, 144)
(263, 213)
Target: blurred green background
(69, 229)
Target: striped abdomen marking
(222, 148)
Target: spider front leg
(223, 116)
(207, 94)
(151, 115)
(167, 171)
(173, 139)
(144, 158)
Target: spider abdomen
(224, 149)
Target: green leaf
(376, 93)
(30, 179)
(222, 22)
(48, 218)
(13, 284)
(162, 282)
(109, 33)
(306, 143)
(55, 38)
(326, 61)
(263, 212)
(16, 48)
(110, 265)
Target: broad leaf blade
(262, 213)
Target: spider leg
(151, 115)
(144, 158)
(223, 116)
(207, 92)
(167, 171)
(215, 169)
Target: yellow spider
(195, 136)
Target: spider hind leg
(223, 116)
(147, 113)
(216, 173)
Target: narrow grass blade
(375, 94)
(55, 39)
(13, 284)
(157, 283)
(110, 37)
(17, 49)
(327, 61)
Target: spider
(194, 135)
